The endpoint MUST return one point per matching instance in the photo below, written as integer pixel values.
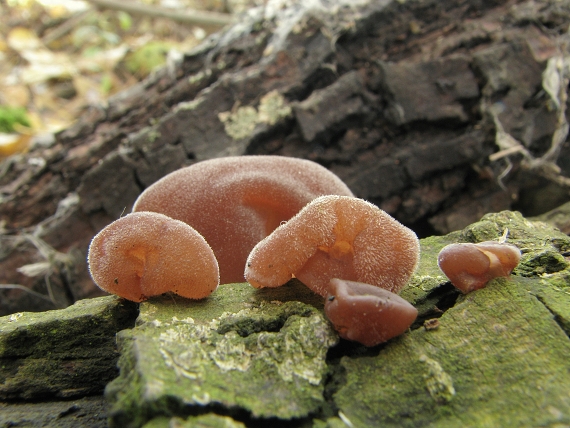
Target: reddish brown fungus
(145, 254)
(471, 266)
(336, 237)
(235, 202)
(365, 313)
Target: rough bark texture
(403, 100)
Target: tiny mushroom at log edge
(471, 266)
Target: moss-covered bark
(261, 353)
(495, 357)
(64, 353)
(498, 358)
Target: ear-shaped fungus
(235, 202)
(365, 313)
(471, 266)
(145, 254)
(336, 237)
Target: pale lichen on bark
(200, 357)
(241, 122)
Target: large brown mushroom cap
(235, 202)
(145, 254)
(336, 237)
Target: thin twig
(506, 152)
(66, 27)
(187, 16)
(26, 289)
(561, 132)
(503, 174)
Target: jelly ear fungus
(470, 266)
(365, 313)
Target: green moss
(62, 353)
(539, 262)
(333, 423)
(203, 421)
(482, 231)
(540, 244)
(439, 384)
(189, 105)
(230, 349)
(506, 356)
(428, 276)
(11, 117)
(200, 76)
(498, 358)
(153, 135)
(147, 58)
(499, 355)
(61, 331)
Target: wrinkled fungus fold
(365, 313)
(235, 202)
(145, 254)
(336, 237)
(470, 266)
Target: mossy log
(61, 354)
(245, 357)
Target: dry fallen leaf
(13, 143)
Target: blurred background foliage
(59, 56)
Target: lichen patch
(236, 349)
(299, 351)
(241, 122)
(439, 383)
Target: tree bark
(405, 101)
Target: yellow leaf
(23, 39)
(3, 44)
(43, 63)
(13, 143)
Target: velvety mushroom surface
(471, 266)
(235, 202)
(336, 237)
(145, 254)
(365, 313)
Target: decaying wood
(402, 100)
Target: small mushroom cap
(235, 202)
(365, 313)
(146, 254)
(336, 237)
(471, 266)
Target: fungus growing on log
(471, 266)
(365, 313)
(336, 237)
(235, 202)
(145, 254)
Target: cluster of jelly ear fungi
(280, 218)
